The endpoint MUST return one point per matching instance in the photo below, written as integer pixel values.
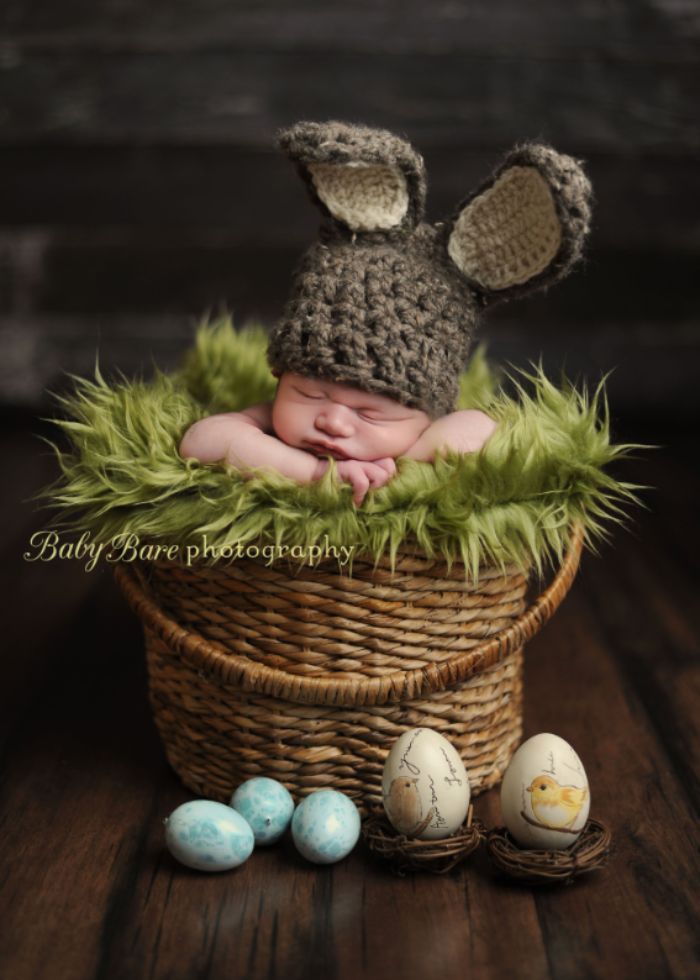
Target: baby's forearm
(253, 449)
(235, 440)
(463, 432)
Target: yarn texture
(388, 303)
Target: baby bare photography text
(51, 545)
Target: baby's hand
(364, 475)
(387, 463)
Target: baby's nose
(335, 420)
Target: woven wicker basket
(309, 676)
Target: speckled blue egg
(266, 805)
(208, 836)
(325, 826)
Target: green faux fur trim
(515, 501)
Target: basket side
(217, 735)
(224, 717)
(239, 669)
(318, 622)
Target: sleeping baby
(311, 419)
(379, 324)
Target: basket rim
(215, 660)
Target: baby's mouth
(323, 449)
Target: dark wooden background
(139, 187)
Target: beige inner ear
(508, 234)
(364, 197)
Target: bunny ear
(365, 179)
(525, 228)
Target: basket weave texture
(308, 675)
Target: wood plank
(80, 783)
(114, 96)
(641, 198)
(101, 271)
(31, 641)
(654, 364)
(117, 270)
(634, 638)
(39, 354)
(543, 29)
(655, 622)
(637, 917)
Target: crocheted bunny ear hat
(388, 303)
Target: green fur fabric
(543, 471)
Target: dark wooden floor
(89, 891)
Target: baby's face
(330, 419)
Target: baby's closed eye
(375, 415)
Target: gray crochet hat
(388, 303)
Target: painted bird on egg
(403, 805)
(545, 797)
(425, 787)
(555, 806)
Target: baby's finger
(377, 477)
(360, 486)
(388, 464)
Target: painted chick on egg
(555, 806)
(545, 798)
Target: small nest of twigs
(409, 854)
(540, 867)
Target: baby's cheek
(374, 442)
(287, 422)
(393, 440)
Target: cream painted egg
(425, 786)
(544, 795)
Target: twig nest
(410, 854)
(541, 867)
